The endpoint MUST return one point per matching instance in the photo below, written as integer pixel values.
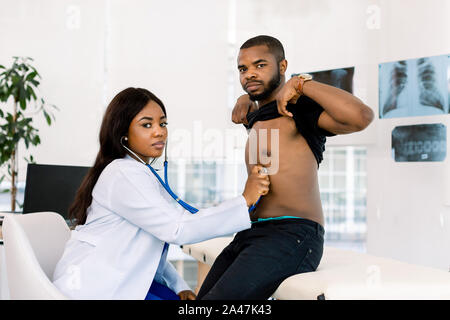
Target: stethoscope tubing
(166, 186)
(165, 182)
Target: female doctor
(125, 216)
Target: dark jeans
(255, 263)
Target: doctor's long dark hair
(116, 122)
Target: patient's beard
(271, 86)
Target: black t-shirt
(306, 113)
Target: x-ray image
(340, 78)
(448, 82)
(423, 142)
(415, 87)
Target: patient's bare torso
(294, 187)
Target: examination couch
(344, 275)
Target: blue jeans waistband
(275, 218)
(290, 219)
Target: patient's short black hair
(274, 45)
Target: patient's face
(147, 133)
(259, 72)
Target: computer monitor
(52, 187)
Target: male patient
(286, 236)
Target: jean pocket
(312, 257)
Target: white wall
(409, 213)
(87, 51)
(65, 39)
(185, 51)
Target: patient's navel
(266, 152)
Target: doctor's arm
(135, 195)
(175, 282)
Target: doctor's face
(147, 133)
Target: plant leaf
(47, 117)
(30, 76)
(31, 92)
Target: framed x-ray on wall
(415, 87)
(419, 143)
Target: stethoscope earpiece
(128, 149)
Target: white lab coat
(116, 253)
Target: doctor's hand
(243, 106)
(187, 295)
(257, 185)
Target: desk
(2, 216)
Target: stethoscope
(165, 183)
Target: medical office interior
(385, 191)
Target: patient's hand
(243, 106)
(187, 295)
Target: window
(343, 189)
(5, 196)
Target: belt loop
(319, 229)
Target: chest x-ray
(415, 87)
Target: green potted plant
(19, 103)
